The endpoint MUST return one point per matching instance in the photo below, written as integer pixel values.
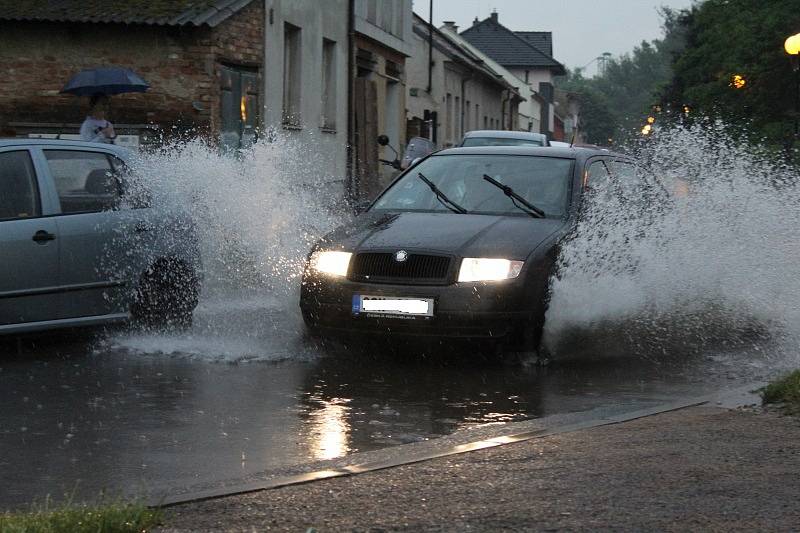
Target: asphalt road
(246, 394)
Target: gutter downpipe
(464, 102)
(351, 192)
(430, 48)
(504, 107)
(509, 98)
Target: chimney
(451, 25)
(494, 15)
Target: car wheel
(166, 296)
(526, 345)
(312, 328)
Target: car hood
(511, 237)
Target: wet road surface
(244, 392)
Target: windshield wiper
(526, 206)
(445, 201)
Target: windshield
(542, 181)
(500, 141)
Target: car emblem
(401, 256)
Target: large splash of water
(711, 263)
(257, 213)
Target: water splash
(256, 213)
(711, 263)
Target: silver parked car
(503, 138)
(81, 245)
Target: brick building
(202, 59)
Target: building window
(291, 75)
(387, 16)
(328, 115)
(399, 19)
(372, 11)
(239, 105)
(477, 116)
(466, 116)
(527, 76)
(485, 122)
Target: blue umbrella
(107, 80)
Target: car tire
(311, 325)
(166, 296)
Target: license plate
(392, 305)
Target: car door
(29, 245)
(96, 236)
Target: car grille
(376, 267)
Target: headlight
(332, 263)
(481, 269)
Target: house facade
(305, 79)
(527, 55)
(529, 110)
(381, 44)
(452, 91)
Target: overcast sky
(582, 29)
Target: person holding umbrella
(99, 83)
(96, 127)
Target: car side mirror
(383, 140)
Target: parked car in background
(81, 244)
(461, 245)
(503, 138)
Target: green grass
(785, 390)
(104, 518)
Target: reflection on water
(330, 429)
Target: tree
(598, 124)
(616, 103)
(745, 38)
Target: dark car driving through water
(463, 244)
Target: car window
(19, 194)
(600, 187)
(85, 181)
(500, 141)
(597, 177)
(542, 181)
(135, 194)
(629, 181)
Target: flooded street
(245, 392)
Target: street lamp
(792, 47)
(738, 81)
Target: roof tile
(153, 12)
(508, 48)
